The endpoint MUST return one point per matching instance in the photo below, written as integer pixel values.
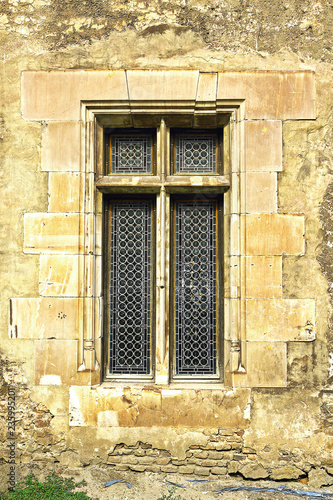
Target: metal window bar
(196, 288)
(130, 287)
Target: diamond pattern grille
(196, 154)
(195, 315)
(130, 289)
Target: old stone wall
(274, 420)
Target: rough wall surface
(278, 432)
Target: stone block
(280, 320)
(263, 276)
(56, 95)
(207, 87)
(254, 471)
(204, 408)
(63, 275)
(44, 318)
(263, 145)
(66, 192)
(56, 363)
(287, 472)
(271, 94)
(266, 365)
(260, 192)
(61, 147)
(259, 276)
(114, 408)
(221, 471)
(53, 233)
(160, 85)
(273, 234)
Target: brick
(137, 468)
(153, 468)
(201, 471)
(162, 85)
(146, 460)
(223, 447)
(280, 320)
(221, 471)
(121, 467)
(215, 455)
(61, 147)
(200, 454)
(273, 234)
(263, 146)
(66, 191)
(208, 463)
(56, 95)
(114, 460)
(131, 460)
(162, 461)
(169, 468)
(260, 192)
(271, 94)
(186, 469)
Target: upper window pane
(195, 154)
(131, 154)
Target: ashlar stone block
(263, 145)
(263, 276)
(160, 85)
(273, 95)
(44, 318)
(280, 320)
(266, 365)
(56, 95)
(63, 275)
(61, 147)
(260, 192)
(56, 363)
(53, 233)
(273, 234)
(66, 191)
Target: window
(163, 284)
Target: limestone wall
(272, 66)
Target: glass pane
(195, 321)
(130, 288)
(131, 154)
(195, 154)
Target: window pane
(195, 314)
(131, 154)
(195, 154)
(130, 287)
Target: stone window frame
(227, 114)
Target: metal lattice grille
(130, 289)
(195, 315)
(131, 155)
(195, 154)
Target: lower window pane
(130, 287)
(195, 288)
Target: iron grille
(195, 154)
(130, 289)
(195, 314)
(131, 154)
